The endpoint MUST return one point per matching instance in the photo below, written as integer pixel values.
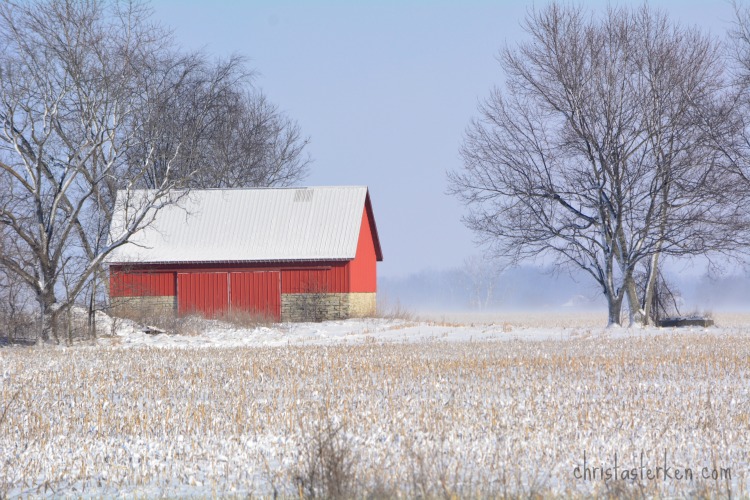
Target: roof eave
(374, 226)
(258, 261)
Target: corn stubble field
(428, 419)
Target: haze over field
(535, 288)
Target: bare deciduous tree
(482, 276)
(255, 145)
(95, 100)
(216, 133)
(736, 147)
(74, 91)
(599, 151)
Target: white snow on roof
(230, 225)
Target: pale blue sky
(385, 91)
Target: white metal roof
(230, 225)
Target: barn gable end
(322, 279)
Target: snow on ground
(457, 328)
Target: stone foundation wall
(294, 306)
(145, 306)
(326, 306)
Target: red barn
(291, 254)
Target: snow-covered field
(502, 406)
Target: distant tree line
(618, 140)
(96, 97)
(482, 285)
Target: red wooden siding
(296, 277)
(140, 284)
(257, 293)
(205, 293)
(363, 269)
(329, 279)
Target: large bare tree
(221, 133)
(736, 147)
(75, 87)
(256, 145)
(95, 99)
(599, 152)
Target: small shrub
(18, 328)
(327, 467)
(314, 304)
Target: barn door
(202, 293)
(258, 293)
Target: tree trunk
(50, 313)
(50, 325)
(636, 314)
(614, 306)
(92, 310)
(69, 325)
(650, 288)
(651, 282)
